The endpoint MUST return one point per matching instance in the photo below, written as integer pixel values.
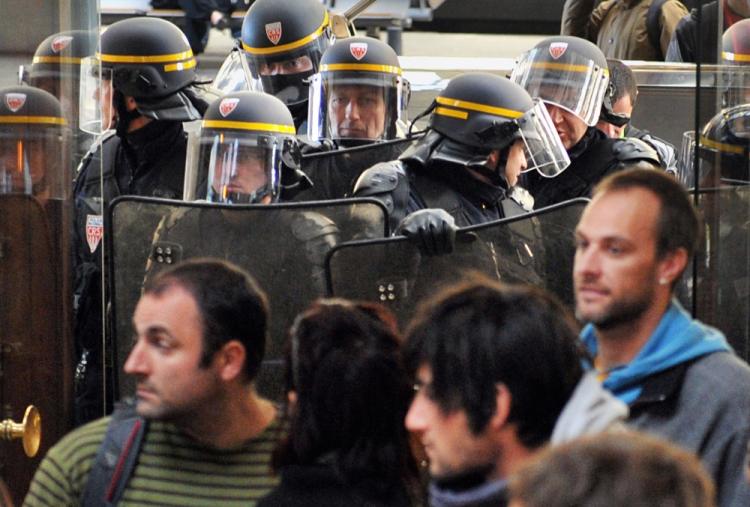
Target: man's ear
(671, 266)
(230, 360)
(493, 159)
(503, 402)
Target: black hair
(352, 395)
(478, 334)
(231, 305)
(622, 80)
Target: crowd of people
(491, 393)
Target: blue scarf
(678, 338)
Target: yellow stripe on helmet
(735, 57)
(291, 45)
(48, 120)
(368, 67)
(566, 66)
(722, 147)
(482, 108)
(172, 67)
(444, 111)
(57, 59)
(174, 57)
(246, 125)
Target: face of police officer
(244, 176)
(291, 66)
(569, 127)
(357, 112)
(22, 167)
(516, 163)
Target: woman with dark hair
(347, 398)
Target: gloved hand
(432, 230)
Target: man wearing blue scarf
(679, 377)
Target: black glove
(432, 230)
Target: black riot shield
(721, 296)
(282, 245)
(536, 248)
(35, 337)
(333, 173)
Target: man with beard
(498, 374)
(679, 376)
(199, 434)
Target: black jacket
(591, 160)
(452, 188)
(149, 162)
(682, 47)
(321, 486)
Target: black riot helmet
(247, 142)
(477, 113)
(34, 136)
(735, 55)
(568, 72)
(150, 60)
(359, 94)
(56, 66)
(283, 41)
(724, 147)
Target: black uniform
(591, 159)
(149, 162)
(467, 199)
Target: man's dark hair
(614, 469)
(678, 224)
(230, 303)
(622, 80)
(352, 393)
(479, 334)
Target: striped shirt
(172, 469)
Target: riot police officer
(483, 132)
(34, 137)
(359, 96)
(147, 69)
(248, 148)
(570, 75)
(56, 68)
(283, 41)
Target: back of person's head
(613, 470)
(231, 306)
(479, 334)
(350, 395)
(622, 81)
(678, 224)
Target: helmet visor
(33, 162)
(96, 111)
(238, 170)
(233, 76)
(542, 146)
(360, 106)
(577, 84)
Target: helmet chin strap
(124, 117)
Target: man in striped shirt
(199, 433)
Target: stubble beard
(619, 312)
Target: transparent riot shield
(536, 249)
(334, 173)
(282, 245)
(721, 295)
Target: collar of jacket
(590, 136)
(661, 386)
